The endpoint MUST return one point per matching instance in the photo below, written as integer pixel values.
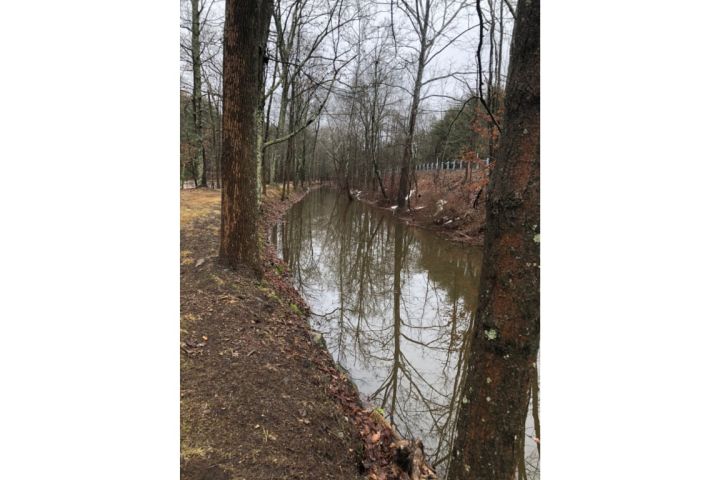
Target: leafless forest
(333, 154)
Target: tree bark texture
(505, 335)
(246, 27)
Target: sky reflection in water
(394, 304)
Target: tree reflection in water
(394, 305)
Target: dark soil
(260, 396)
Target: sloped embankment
(260, 398)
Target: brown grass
(196, 203)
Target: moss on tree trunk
(505, 335)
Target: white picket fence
(451, 165)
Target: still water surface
(394, 304)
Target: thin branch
(510, 7)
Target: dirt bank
(442, 202)
(260, 396)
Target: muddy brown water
(394, 304)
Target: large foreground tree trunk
(246, 27)
(505, 335)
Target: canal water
(394, 304)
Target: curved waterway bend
(393, 303)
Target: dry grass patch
(197, 203)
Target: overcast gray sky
(458, 57)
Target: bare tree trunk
(378, 107)
(535, 392)
(302, 173)
(404, 185)
(500, 48)
(314, 173)
(213, 129)
(431, 34)
(218, 154)
(505, 336)
(246, 27)
(197, 92)
(266, 134)
(491, 91)
(289, 148)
